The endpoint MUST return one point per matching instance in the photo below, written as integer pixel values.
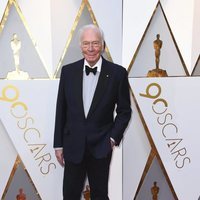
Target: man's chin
(92, 61)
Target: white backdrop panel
(27, 112)
(196, 33)
(136, 16)
(155, 174)
(2, 7)
(136, 149)
(180, 15)
(170, 107)
(6, 162)
(37, 15)
(63, 15)
(169, 58)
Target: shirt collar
(98, 64)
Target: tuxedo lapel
(101, 87)
(78, 87)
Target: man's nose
(90, 47)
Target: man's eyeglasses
(93, 44)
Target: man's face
(91, 46)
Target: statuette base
(157, 73)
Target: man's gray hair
(95, 28)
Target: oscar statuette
(17, 74)
(21, 195)
(155, 191)
(157, 72)
(86, 193)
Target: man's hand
(59, 156)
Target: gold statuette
(86, 193)
(21, 195)
(157, 72)
(17, 74)
(155, 191)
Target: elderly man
(86, 130)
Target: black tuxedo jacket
(73, 131)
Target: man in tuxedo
(86, 131)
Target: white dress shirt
(89, 85)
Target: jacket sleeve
(123, 109)
(60, 118)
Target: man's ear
(103, 47)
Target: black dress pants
(97, 171)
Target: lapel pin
(107, 75)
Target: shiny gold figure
(17, 74)
(86, 193)
(155, 191)
(21, 195)
(157, 44)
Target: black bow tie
(89, 69)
